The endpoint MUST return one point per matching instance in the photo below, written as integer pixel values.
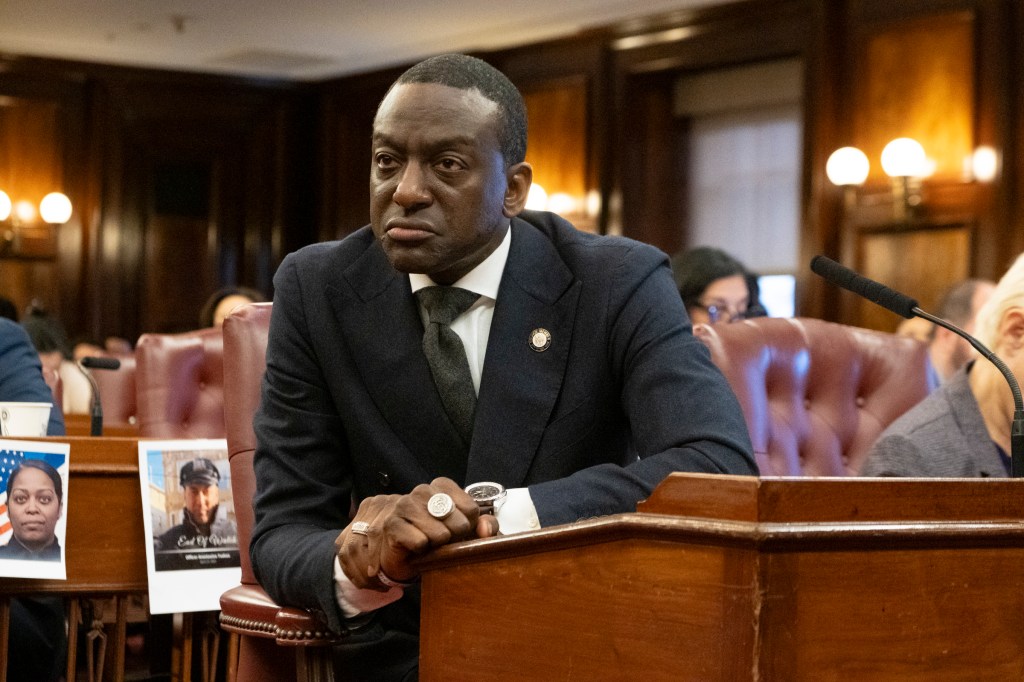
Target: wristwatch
(489, 496)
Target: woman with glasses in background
(715, 287)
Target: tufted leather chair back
(246, 609)
(245, 349)
(816, 394)
(179, 383)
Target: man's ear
(1012, 329)
(520, 177)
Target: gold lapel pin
(540, 339)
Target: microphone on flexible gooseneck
(96, 422)
(905, 306)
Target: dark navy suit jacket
(623, 396)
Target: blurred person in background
(916, 328)
(715, 287)
(51, 342)
(948, 351)
(222, 302)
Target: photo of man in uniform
(206, 537)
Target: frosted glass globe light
(55, 208)
(985, 164)
(562, 203)
(537, 198)
(904, 158)
(847, 166)
(25, 211)
(5, 205)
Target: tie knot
(444, 304)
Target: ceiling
(295, 39)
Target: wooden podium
(737, 578)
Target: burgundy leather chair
(275, 643)
(179, 390)
(816, 394)
(179, 382)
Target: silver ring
(440, 506)
(361, 528)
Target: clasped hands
(399, 528)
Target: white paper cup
(24, 419)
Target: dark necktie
(446, 355)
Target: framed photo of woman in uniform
(189, 516)
(33, 508)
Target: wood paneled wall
(183, 183)
(929, 71)
(180, 184)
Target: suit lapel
(381, 325)
(520, 385)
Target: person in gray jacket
(962, 430)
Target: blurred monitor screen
(778, 294)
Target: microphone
(101, 363)
(96, 422)
(905, 306)
(846, 278)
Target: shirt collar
(484, 279)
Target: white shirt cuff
(517, 513)
(354, 601)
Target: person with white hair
(962, 430)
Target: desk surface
(81, 425)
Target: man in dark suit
(588, 386)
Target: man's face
(438, 180)
(34, 508)
(201, 500)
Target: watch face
(485, 492)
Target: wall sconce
(984, 164)
(582, 211)
(848, 168)
(21, 217)
(903, 160)
(537, 198)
